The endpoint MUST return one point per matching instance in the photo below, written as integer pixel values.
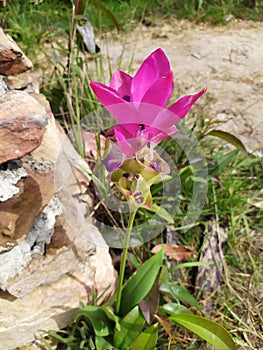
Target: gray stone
(8, 181)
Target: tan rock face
(19, 81)
(12, 59)
(52, 256)
(22, 125)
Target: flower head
(138, 103)
(135, 176)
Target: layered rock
(22, 124)
(12, 59)
(51, 255)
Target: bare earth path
(228, 60)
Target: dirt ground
(227, 59)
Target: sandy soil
(228, 60)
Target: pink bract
(138, 103)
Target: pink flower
(138, 103)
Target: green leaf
(102, 321)
(226, 136)
(179, 293)
(146, 340)
(221, 162)
(162, 213)
(130, 327)
(174, 308)
(132, 258)
(65, 339)
(107, 12)
(190, 264)
(208, 330)
(141, 282)
(102, 344)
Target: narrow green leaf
(140, 283)
(146, 340)
(221, 162)
(179, 293)
(198, 179)
(162, 213)
(226, 136)
(130, 327)
(208, 330)
(190, 264)
(133, 260)
(100, 4)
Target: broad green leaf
(98, 318)
(110, 314)
(226, 136)
(179, 293)
(208, 330)
(102, 344)
(146, 340)
(221, 162)
(130, 327)
(174, 308)
(140, 283)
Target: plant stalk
(123, 260)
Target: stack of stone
(51, 255)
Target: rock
(52, 256)
(8, 180)
(12, 59)
(19, 81)
(22, 125)
(17, 214)
(53, 306)
(14, 261)
(3, 87)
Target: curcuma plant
(149, 302)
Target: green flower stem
(123, 260)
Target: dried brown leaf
(177, 253)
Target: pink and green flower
(139, 103)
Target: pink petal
(160, 91)
(153, 67)
(176, 111)
(127, 142)
(184, 104)
(107, 95)
(121, 82)
(131, 140)
(121, 110)
(148, 112)
(158, 135)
